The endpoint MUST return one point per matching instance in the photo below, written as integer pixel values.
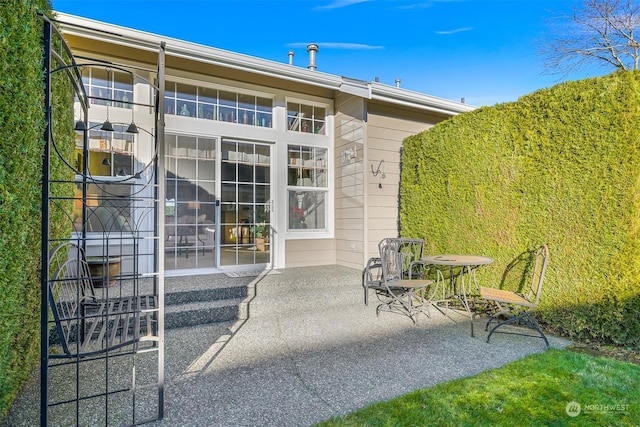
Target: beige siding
(386, 129)
(349, 181)
(303, 253)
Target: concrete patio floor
(310, 350)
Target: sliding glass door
(213, 219)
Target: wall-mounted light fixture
(379, 171)
(348, 154)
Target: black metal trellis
(102, 347)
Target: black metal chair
(397, 277)
(519, 307)
(85, 324)
(372, 277)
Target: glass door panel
(245, 232)
(190, 204)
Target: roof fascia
(127, 37)
(394, 95)
(91, 29)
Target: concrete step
(202, 312)
(207, 299)
(231, 291)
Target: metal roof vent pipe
(398, 82)
(291, 55)
(312, 49)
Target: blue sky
(485, 51)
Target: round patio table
(467, 265)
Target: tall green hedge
(561, 166)
(21, 146)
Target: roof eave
(91, 29)
(127, 37)
(394, 95)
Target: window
(213, 104)
(110, 157)
(110, 153)
(307, 187)
(106, 86)
(108, 207)
(111, 161)
(306, 118)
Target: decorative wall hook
(378, 170)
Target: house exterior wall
(366, 124)
(305, 253)
(386, 129)
(350, 140)
(289, 249)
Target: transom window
(306, 118)
(307, 187)
(214, 104)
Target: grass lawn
(535, 391)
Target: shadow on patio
(309, 350)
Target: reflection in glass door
(245, 224)
(190, 204)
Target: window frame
(318, 170)
(229, 105)
(118, 92)
(296, 122)
(109, 149)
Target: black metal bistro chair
(397, 277)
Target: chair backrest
(539, 269)
(70, 286)
(396, 256)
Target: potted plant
(260, 236)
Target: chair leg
(531, 322)
(494, 317)
(472, 334)
(395, 304)
(527, 319)
(366, 288)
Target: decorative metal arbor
(102, 279)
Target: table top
(458, 260)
